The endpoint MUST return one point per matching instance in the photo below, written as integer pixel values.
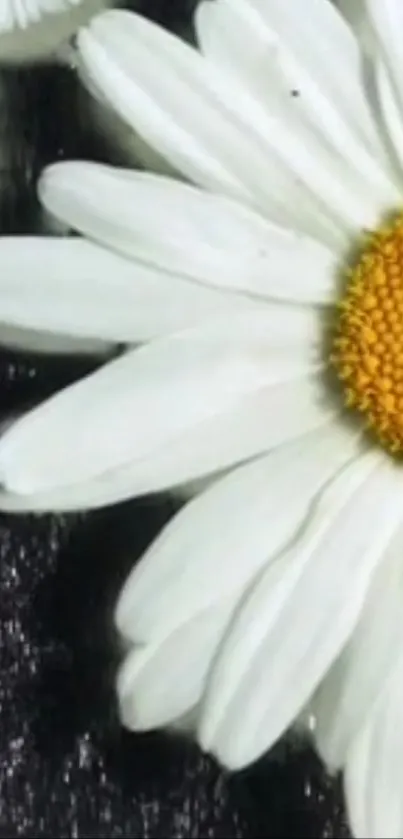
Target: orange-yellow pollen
(367, 350)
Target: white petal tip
(132, 715)
(55, 175)
(230, 751)
(122, 619)
(127, 612)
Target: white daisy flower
(268, 297)
(34, 29)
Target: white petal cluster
(279, 587)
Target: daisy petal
(22, 14)
(373, 773)
(386, 17)
(126, 146)
(350, 690)
(144, 402)
(282, 54)
(245, 519)
(72, 287)
(314, 34)
(356, 15)
(392, 113)
(355, 783)
(297, 616)
(180, 105)
(33, 29)
(161, 682)
(184, 230)
(260, 422)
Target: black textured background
(66, 768)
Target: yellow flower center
(367, 349)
